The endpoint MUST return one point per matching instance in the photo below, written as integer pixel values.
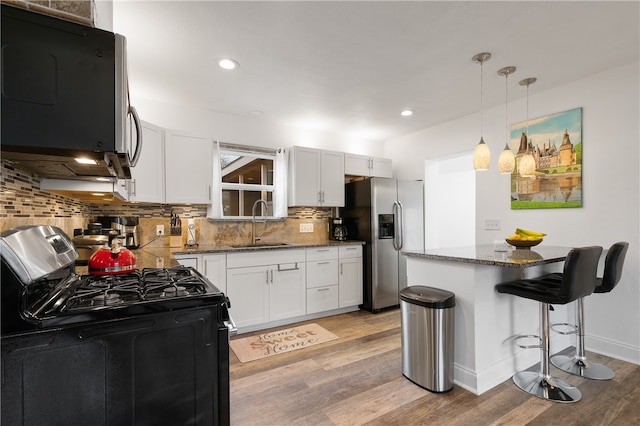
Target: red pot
(112, 260)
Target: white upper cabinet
(362, 165)
(147, 177)
(316, 177)
(188, 168)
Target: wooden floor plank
(374, 403)
(357, 379)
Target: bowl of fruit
(525, 239)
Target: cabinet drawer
(265, 257)
(322, 253)
(322, 299)
(350, 251)
(322, 273)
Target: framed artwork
(555, 143)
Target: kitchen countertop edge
(485, 255)
(230, 249)
(156, 257)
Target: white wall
(611, 187)
(256, 131)
(449, 201)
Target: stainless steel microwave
(65, 95)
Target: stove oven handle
(231, 325)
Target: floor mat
(280, 341)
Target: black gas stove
(148, 347)
(101, 297)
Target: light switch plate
(306, 227)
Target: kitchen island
(486, 322)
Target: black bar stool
(578, 364)
(578, 280)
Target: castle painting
(555, 143)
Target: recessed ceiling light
(228, 63)
(406, 113)
(97, 194)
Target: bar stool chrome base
(549, 388)
(581, 367)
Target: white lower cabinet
(322, 279)
(212, 266)
(322, 299)
(188, 260)
(249, 295)
(350, 276)
(268, 292)
(268, 286)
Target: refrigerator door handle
(398, 237)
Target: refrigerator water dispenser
(385, 226)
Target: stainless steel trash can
(427, 337)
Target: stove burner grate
(175, 282)
(105, 290)
(150, 284)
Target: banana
(528, 233)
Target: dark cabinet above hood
(65, 95)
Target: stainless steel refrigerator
(387, 214)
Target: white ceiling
(352, 66)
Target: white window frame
(278, 189)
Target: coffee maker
(337, 229)
(123, 225)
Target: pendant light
(507, 161)
(527, 164)
(481, 155)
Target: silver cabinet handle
(323, 263)
(281, 269)
(323, 289)
(272, 276)
(267, 276)
(341, 268)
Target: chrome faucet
(254, 238)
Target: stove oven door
(169, 368)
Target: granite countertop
(205, 249)
(164, 257)
(485, 255)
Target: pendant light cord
(481, 103)
(506, 109)
(527, 116)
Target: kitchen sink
(260, 245)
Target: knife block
(175, 237)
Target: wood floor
(358, 379)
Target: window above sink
(245, 175)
